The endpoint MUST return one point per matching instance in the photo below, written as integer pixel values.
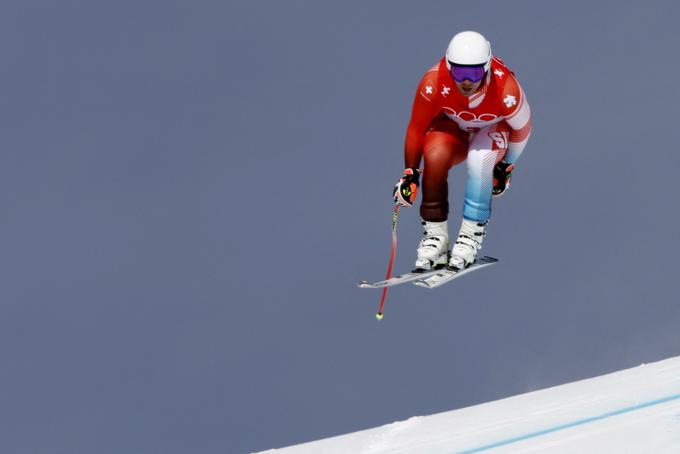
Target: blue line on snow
(571, 424)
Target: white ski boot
(468, 244)
(433, 250)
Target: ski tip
(364, 284)
(379, 315)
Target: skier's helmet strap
(469, 48)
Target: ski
(401, 279)
(438, 278)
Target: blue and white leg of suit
(487, 147)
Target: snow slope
(631, 411)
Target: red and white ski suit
(447, 128)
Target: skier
(468, 107)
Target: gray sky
(191, 191)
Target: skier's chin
(468, 90)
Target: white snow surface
(631, 411)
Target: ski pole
(395, 215)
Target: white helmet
(469, 48)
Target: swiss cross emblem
(428, 89)
(446, 90)
(510, 101)
(499, 73)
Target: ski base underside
(441, 277)
(429, 279)
(400, 279)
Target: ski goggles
(473, 73)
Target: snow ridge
(634, 410)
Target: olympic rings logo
(464, 115)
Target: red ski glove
(502, 175)
(406, 189)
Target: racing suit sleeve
(425, 109)
(517, 115)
